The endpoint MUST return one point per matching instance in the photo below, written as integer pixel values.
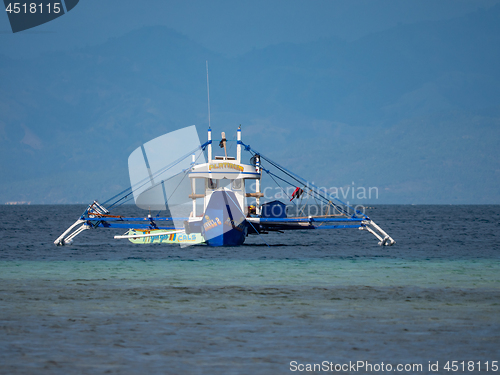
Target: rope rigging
(292, 180)
(316, 192)
(153, 176)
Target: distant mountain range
(413, 111)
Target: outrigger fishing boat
(207, 198)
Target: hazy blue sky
(229, 27)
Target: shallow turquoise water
(480, 273)
(242, 317)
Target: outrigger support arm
(383, 237)
(67, 237)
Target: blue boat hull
(224, 223)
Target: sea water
(279, 302)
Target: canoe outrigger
(222, 184)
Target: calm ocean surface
(105, 306)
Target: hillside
(414, 110)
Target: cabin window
(236, 184)
(212, 184)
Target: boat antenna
(208, 94)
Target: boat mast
(209, 150)
(193, 185)
(258, 194)
(209, 147)
(238, 144)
